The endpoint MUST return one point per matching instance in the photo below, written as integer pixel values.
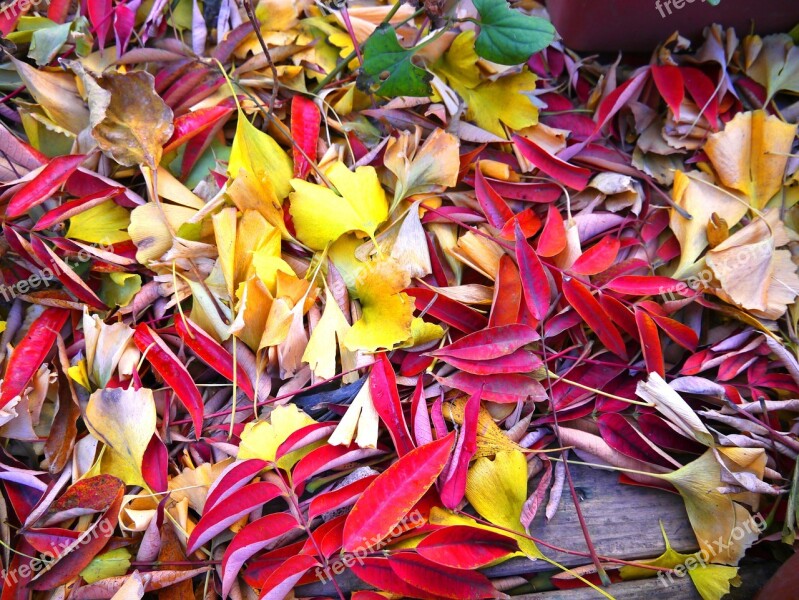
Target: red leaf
(521, 361)
(464, 547)
(107, 493)
(195, 122)
(619, 314)
(598, 257)
(69, 209)
(378, 573)
(507, 294)
(535, 282)
(620, 435)
(444, 582)
(31, 352)
(493, 342)
(527, 220)
(305, 437)
(497, 388)
(223, 515)
(250, 540)
(679, 332)
(58, 10)
(383, 388)
(566, 173)
(668, 80)
(394, 492)
(340, 498)
(578, 296)
(494, 207)
(454, 485)
(65, 274)
(100, 17)
(43, 185)
(451, 312)
(650, 343)
(305, 124)
(172, 372)
(213, 354)
(552, 240)
(329, 457)
(232, 479)
(645, 285)
(278, 585)
(703, 91)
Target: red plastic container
(639, 25)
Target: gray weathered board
(622, 521)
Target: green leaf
(46, 42)
(507, 36)
(111, 564)
(382, 54)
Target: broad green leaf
(382, 54)
(46, 42)
(118, 289)
(507, 36)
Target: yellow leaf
(225, 236)
(320, 353)
(124, 420)
(701, 199)
(255, 303)
(109, 564)
(711, 581)
(751, 153)
(106, 223)
(752, 272)
(321, 215)
(422, 332)
(497, 489)
(262, 439)
(490, 438)
(432, 167)
(150, 232)
(80, 374)
(119, 289)
(487, 103)
(106, 345)
(387, 312)
(257, 153)
(713, 515)
(247, 193)
(361, 416)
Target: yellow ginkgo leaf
(490, 438)
(80, 374)
(255, 303)
(711, 581)
(751, 153)
(124, 420)
(699, 197)
(320, 353)
(262, 439)
(247, 193)
(430, 168)
(387, 312)
(258, 153)
(715, 517)
(422, 332)
(106, 223)
(497, 489)
(321, 215)
(487, 103)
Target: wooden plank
(622, 521)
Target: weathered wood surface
(622, 521)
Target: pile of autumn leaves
(293, 270)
